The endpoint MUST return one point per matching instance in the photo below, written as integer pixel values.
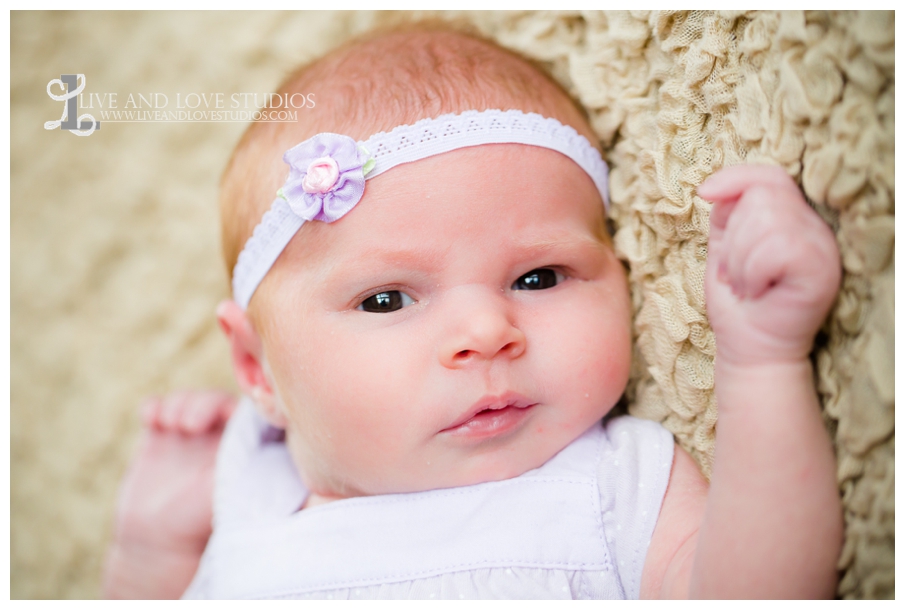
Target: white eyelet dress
(578, 527)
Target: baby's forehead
(374, 86)
(511, 194)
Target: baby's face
(463, 324)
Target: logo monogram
(79, 126)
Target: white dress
(578, 527)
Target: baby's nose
(482, 328)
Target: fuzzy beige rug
(115, 266)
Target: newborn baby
(429, 323)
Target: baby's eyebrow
(566, 242)
(424, 258)
(436, 256)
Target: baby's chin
(489, 474)
(452, 470)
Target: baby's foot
(164, 510)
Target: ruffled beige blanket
(115, 256)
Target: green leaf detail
(370, 163)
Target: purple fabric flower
(336, 182)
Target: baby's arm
(163, 516)
(771, 524)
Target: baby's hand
(189, 412)
(773, 267)
(164, 510)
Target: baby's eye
(538, 279)
(386, 302)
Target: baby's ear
(247, 354)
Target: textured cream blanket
(115, 256)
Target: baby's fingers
(209, 410)
(173, 410)
(730, 183)
(188, 412)
(726, 187)
(753, 222)
(150, 411)
(163, 413)
(763, 268)
(773, 237)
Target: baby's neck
(315, 499)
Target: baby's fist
(773, 266)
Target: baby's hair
(376, 82)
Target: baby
(429, 323)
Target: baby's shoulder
(678, 520)
(640, 441)
(633, 473)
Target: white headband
(328, 171)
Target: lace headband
(327, 173)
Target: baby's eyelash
(385, 301)
(541, 278)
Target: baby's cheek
(363, 392)
(601, 350)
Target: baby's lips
(493, 403)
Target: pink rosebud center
(321, 175)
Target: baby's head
(468, 318)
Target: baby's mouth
(491, 416)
